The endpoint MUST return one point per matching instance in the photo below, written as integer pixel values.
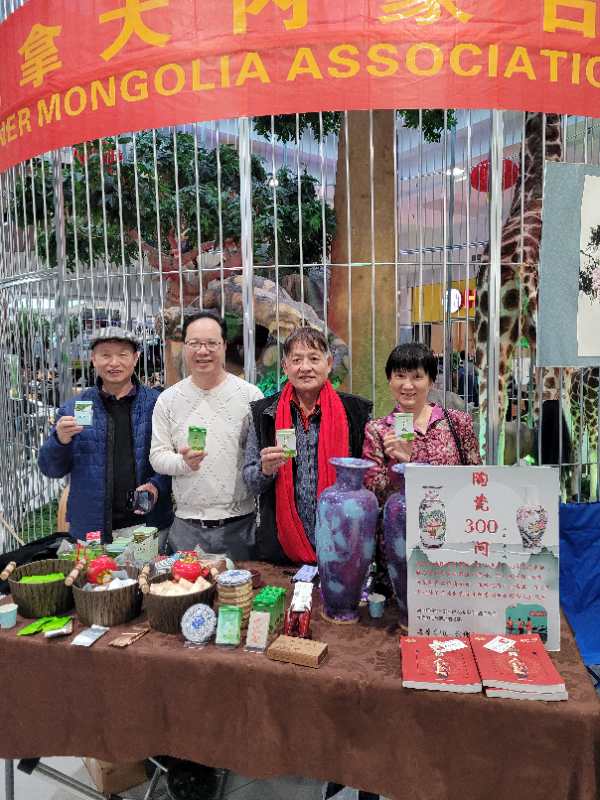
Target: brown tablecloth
(349, 721)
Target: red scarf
(333, 441)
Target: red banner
(76, 71)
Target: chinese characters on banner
(482, 551)
(122, 65)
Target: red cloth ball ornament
(99, 569)
(480, 175)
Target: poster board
(483, 551)
(569, 281)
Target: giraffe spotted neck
(520, 246)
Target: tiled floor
(238, 788)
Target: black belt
(220, 523)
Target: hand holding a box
(397, 449)
(66, 429)
(271, 458)
(193, 458)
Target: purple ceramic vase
(345, 537)
(394, 536)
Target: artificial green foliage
(40, 522)
(99, 193)
(286, 127)
(431, 120)
(288, 222)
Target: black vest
(358, 412)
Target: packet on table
(88, 636)
(286, 438)
(229, 626)
(257, 637)
(404, 426)
(84, 412)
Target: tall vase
(394, 539)
(432, 519)
(532, 520)
(345, 537)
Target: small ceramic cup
(8, 615)
(376, 605)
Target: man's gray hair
(310, 337)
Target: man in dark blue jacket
(108, 459)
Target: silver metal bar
(518, 354)
(107, 261)
(198, 218)
(300, 226)
(90, 240)
(247, 249)
(373, 268)
(220, 207)
(446, 307)
(9, 778)
(274, 182)
(420, 229)
(140, 252)
(495, 266)
(323, 222)
(73, 785)
(348, 243)
(541, 372)
(178, 221)
(159, 246)
(468, 258)
(396, 234)
(62, 319)
(125, 272)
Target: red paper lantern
(480, 175)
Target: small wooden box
(114, 778)
(304, 652)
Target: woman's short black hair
(406, 357)
(205, 315)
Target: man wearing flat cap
(108, 458)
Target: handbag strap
(457, 442)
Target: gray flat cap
(113, 334)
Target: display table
(349, 721)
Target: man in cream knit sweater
(214, 508)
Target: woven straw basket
(165, 613)
(42, 599)
(113, 607)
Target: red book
(525, 667)
(436, 668)
(511, 694)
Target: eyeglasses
(211, 345)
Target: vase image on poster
(432, 518)
(527, 618)
(532, 520)
(588, 306)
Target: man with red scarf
(327, 424)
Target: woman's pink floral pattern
(434, 446)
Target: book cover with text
(443, 663)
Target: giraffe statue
(583, 398)
(520, 247)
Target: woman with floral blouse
(441, 436)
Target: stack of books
(517, 667)
(521, 671)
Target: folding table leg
(9, 779)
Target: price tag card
(500, 644)
(306, 573)
(447, 647)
